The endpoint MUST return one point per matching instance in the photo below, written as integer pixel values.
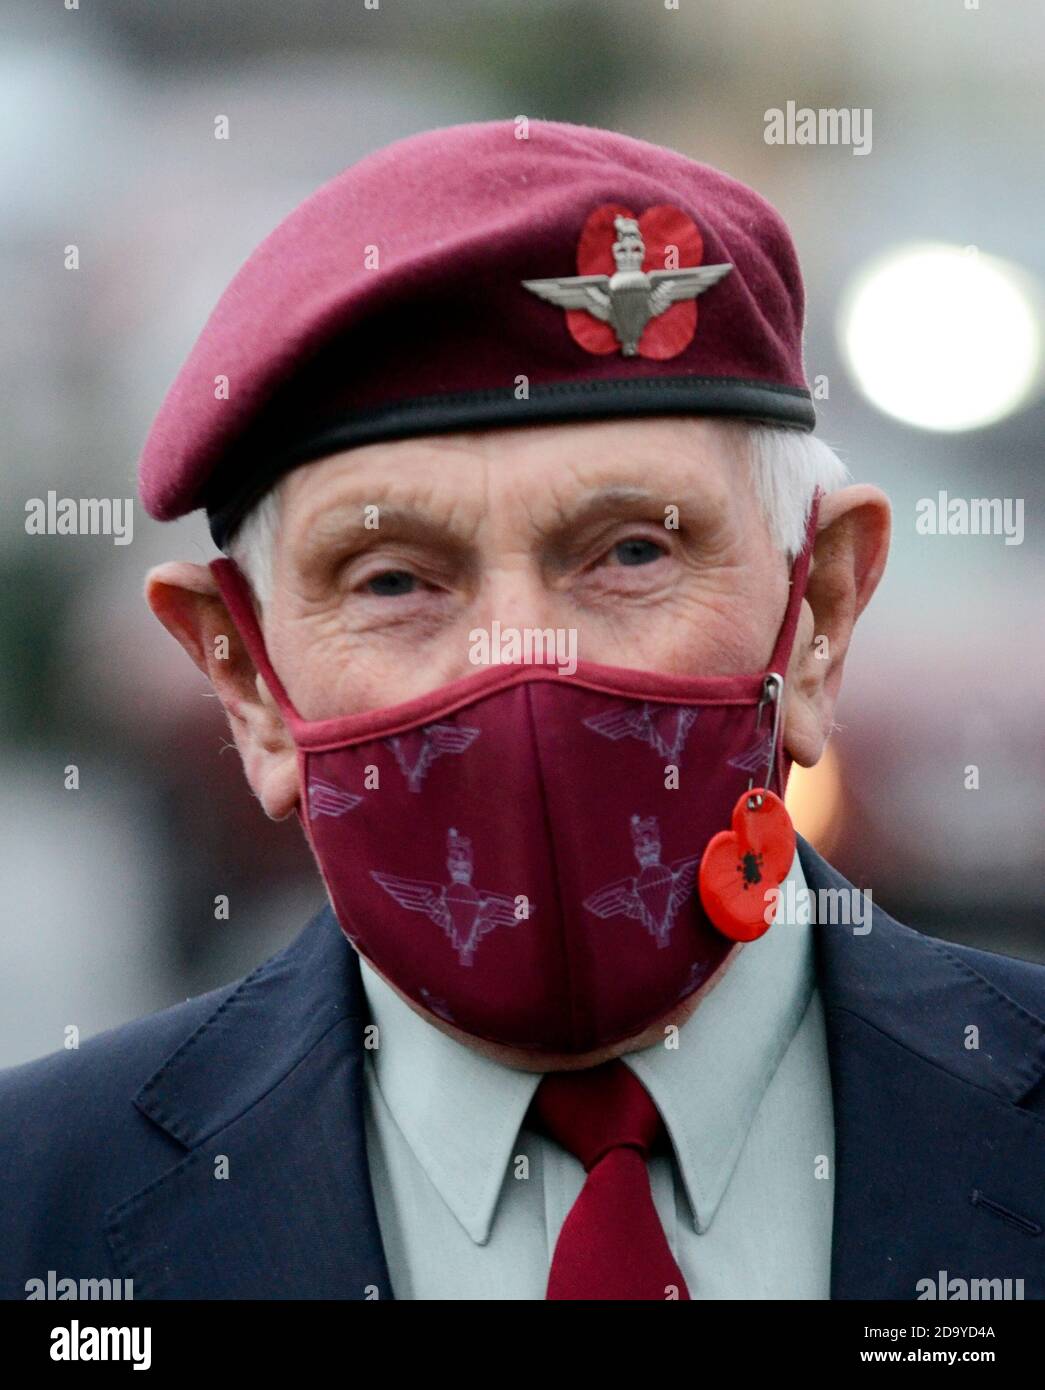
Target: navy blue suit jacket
(107, 1153)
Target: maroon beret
(469, 278)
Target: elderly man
(537, 583)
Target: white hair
(788, 466)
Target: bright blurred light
(942, 337)
(814, 800)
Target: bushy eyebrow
(347, 520)
(598, 505)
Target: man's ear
(186, 599)
(849, 555)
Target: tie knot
(593, 1111)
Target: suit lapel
(272, 1198)
(938, 1145)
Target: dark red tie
(612, 1245)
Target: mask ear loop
(235, 591)
(773, 690)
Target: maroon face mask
(518, 852)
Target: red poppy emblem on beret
(636, 284)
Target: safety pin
(772, 692)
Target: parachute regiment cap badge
(629, 298)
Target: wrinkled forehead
(524, 480)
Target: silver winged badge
(631, 296)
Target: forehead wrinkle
(590, 486)
(614, 452)
(672, 467)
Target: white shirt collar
(461, 1112)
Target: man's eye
(392, 583)
(637, 551)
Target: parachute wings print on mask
(664, 728)
(416, 752)
(463, 912)
(654, 895)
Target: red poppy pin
(628, 296)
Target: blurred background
(930, 380)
